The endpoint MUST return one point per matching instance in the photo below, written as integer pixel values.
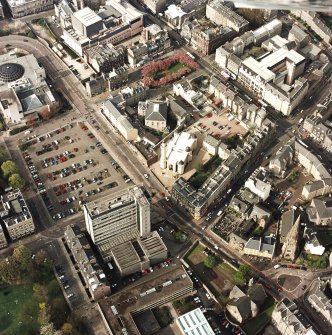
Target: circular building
(11, 72)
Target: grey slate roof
(156, 111)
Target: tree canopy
(3, 155)
(16, 181)
(8, 168)
(210, 261)
(243, 275)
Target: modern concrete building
(194, 322)
(23, 90)
(20, 8)
(15, 215)
(120, 216)
(217, 12)
(163, 286)
(289, 320)
(92, 273)
(139, 254)
(117, 21)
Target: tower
(163, 158)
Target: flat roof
(139, 296)
(194, 323)
(87, 16)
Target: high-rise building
(118, 217)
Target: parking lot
(220, 126)
(69, 167)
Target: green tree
(8, 168)
(2, 127)
(210, 261)
(243, 275)
(22, 255)
(16, 181)
(9, 271)
(3, 155)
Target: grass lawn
(176, 67)
(172, 69)
(18, 311)
(254, 326)
(228, 269)
(217, 279)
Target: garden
(31, 301)
(164, 71)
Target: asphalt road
(63, 79)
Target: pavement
(74, 92)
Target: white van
(219, 213)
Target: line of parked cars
(41, 189)
(63, 280)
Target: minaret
(163, 160)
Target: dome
(10, 72)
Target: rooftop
(87, 16)
(116, 200)
(13, 208)
(194, 323)
(145, 293)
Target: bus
(190, 55)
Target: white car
(146, 175)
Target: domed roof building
(23, 89)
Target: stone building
(20, 8)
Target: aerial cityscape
(165, 167)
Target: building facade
(16, 216)
(220, 14)
(106, 58)
(20, 8)
(122, 215)
(113, 24)
(289, 320)
(156, 6)
(3, 240)
(94, 276)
